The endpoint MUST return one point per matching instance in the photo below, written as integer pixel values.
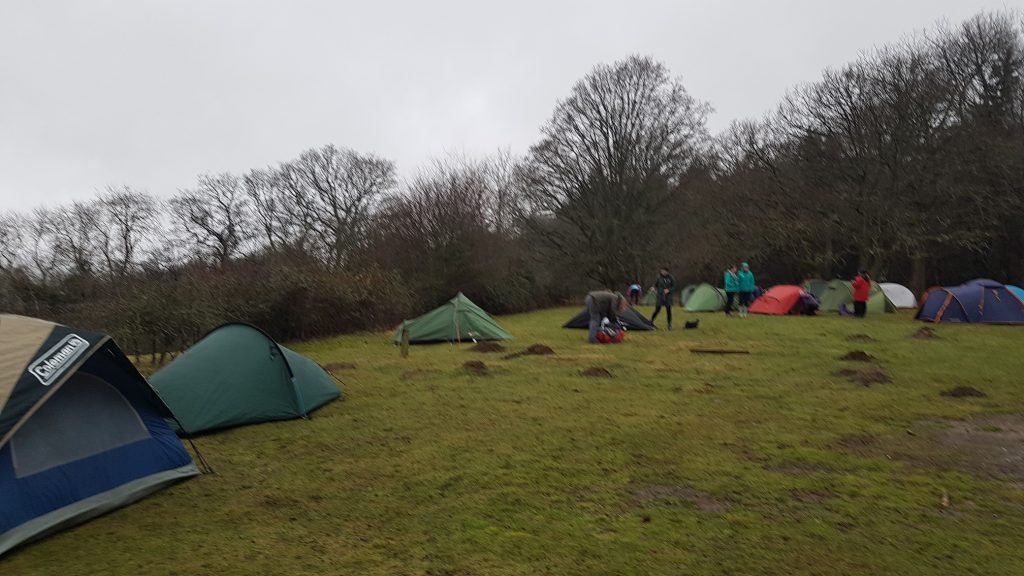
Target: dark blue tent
(978, 301)
(81, 431)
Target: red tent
(779, 300)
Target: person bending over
(603, 304)
(634, 293)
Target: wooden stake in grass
(717, 351)
(405, 342)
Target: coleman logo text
(48, 367)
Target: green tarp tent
(238, 375)
(454, 321)
(840, 292)
(649, 299)
(706, 298)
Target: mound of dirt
(475, 367)
(596, 372)
(963, 392)
(857, 356)
(925, 333)
(488, 347)
(334, 366)
(859, 338)
(867, 376)
(417, 374)
(534, 350)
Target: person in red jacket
(861, 294)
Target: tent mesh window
(64, 429)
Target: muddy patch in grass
(812, 496)
(488, 347)
(475, 367)
(855, 442)
(596, 372)
(703, 501)
(857, 356)
(866, 376)
(337, 366)
(534, 350)
(859, 338)
(925, 333)
(963, 392)
(985, 446)
(418, 374)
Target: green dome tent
(706, 298)
(840, 292)
(238, 375)
(816, 286)
(685, 293)
(650, 299)
(454, 321)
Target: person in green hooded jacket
(732, 286)
(745, 283)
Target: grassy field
(767, 463)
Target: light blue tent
(1017, 290)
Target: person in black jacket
(663, 287)
(603, 304)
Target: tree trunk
(917, 274)
(826, 263)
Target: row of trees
(908, 161)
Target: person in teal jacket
(745, 283)
(732, 286)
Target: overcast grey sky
(151, 93)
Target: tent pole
(458, 332)
(207, 469)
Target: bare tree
(72, 231)
(215, 216)
(336, 189)
(285, 219)
(12, 241)
(610, 158)
(127, 219)
(446, 231)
